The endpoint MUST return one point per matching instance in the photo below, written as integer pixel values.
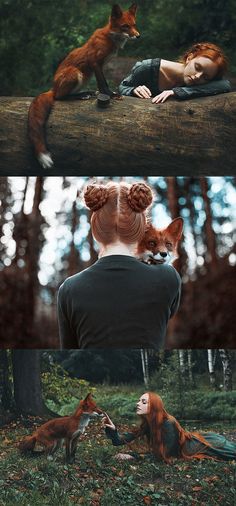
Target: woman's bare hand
(142, 92)
(163, 96)
(107, 422)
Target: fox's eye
(124, 27)
(152, 244)
(168, 244)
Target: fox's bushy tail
(27, 444)
(39, 111)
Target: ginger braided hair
(118, 211)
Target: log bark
(130, 137)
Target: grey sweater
(146, 73)
(119, 302)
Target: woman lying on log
(166, 437)
(198, 73)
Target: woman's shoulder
(146, 64)
(72, 281)
(166, 271)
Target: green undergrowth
(120, 401)
(97, 478)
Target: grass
(97, 478)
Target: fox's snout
(134, 34)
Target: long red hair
(211, 51)
(152, 427)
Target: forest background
(197, 386)
(45, 236)
(36, 35)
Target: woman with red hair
(118, 302)
(166, 438)
(198, 73)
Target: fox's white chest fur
(83, 422)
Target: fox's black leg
(101, 81)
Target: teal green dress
(146, 73)
(220, 448)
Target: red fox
(75, 70)
(51, 434)
(160, 245)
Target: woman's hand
(142, 92)
(107, 422)
(163, 96)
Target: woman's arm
(113, 434)
(67, 337)
(139, 76)
(177, 293)
(117, 438)
(187, 92)
(202, 90)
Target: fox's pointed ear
(88, 398)
(175, 228)
(148, 226)
(133, 9)
(116, 11)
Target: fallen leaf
(147, 499)
(209, 479)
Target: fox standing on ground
(76, 69)
(51, 434)
(160, 245)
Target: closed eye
(198, 68)
(124, 27)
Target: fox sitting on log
(76, 69)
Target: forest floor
(98, 478)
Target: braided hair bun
(95, 196)
(139, 197)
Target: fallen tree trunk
(130, 137)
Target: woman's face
(143, 405)
(199, 70)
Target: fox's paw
(45, 160)
(116, 95)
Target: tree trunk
(211, 367)
(145, 367)
(227, 369)
(27, 382)
(211, 256)
(6, 399)
(181, 354)
(131, 136)
(190, 368)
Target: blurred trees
(36, 35)
(46, 237)
(29, 376)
